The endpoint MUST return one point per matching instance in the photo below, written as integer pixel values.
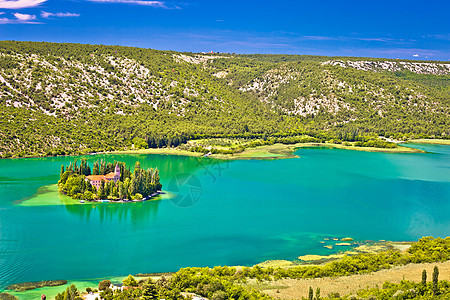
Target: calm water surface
(225, 213)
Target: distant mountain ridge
(394, 66)
(73, 98)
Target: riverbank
(399, 149)
(430, 141)
(286, 288)
(262, 152)
(275, 151)
(282, 151)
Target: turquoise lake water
(225, 213)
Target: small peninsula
(108, 182)
(271, 148)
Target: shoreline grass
(430, 141)
(160, 151)
(399, 149)
(282, 151)
(268, 152)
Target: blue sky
(392, 29)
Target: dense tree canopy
(132, 185)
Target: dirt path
(297, 288)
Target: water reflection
(135, 212)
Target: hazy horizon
(381, 29)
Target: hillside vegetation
(72, 98)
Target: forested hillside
(73, 98)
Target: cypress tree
(435, 280)
(137, 168)
(424, 277)
(149, 290)
(96, 169)
(121, 190)
(103, 169)
(311, 294)
(101, 191)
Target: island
(108, 182)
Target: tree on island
(71, 293)
(137, 185)
(149, 290)
(130, 281)
(104, 284)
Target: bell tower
(116, 173)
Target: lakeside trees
(71, 293)
(131, 185)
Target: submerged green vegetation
(75, 182)
(7, 296)
(59, 99)
(20, 287)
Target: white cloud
(6, 21)
(16, 4)
(24, 17)
(46, 15)
(416, 55)
(318, 38)
(20, 19)
(439, 36)
(160, 4)
(385, 40)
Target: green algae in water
(47, 195)
(51, 291)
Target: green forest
(61, 99)
(134, 185)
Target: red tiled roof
(110, 175)
(96, 177)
